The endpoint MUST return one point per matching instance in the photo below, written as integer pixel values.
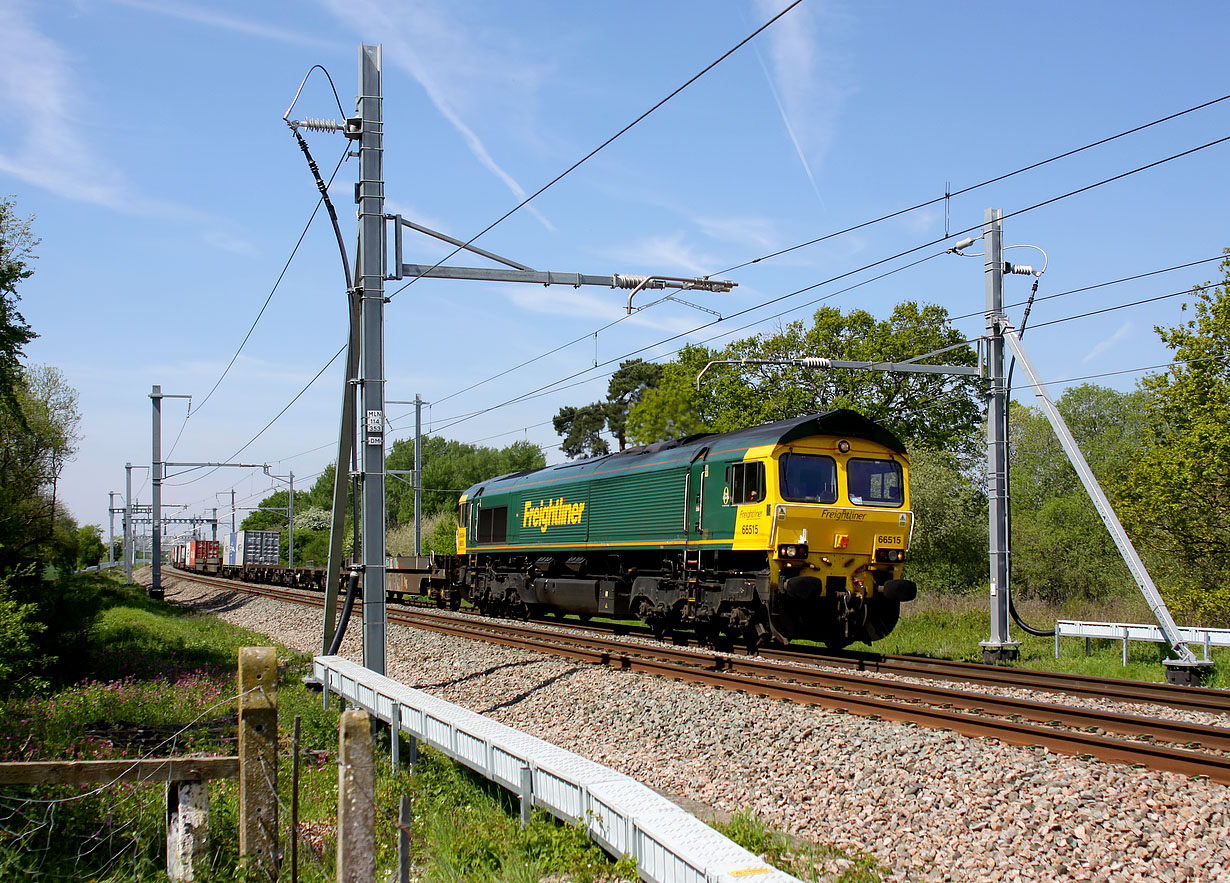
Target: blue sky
(146, 136)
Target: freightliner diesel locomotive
(794, 529)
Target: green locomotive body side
(693, 533)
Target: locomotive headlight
(792, 550)
(843, 446)
(891, 556)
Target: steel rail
(852, 694)
(1180, 697)
(1204, 699)
(1176, 732)
(1200, 699)
(1069, 742)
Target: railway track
(1201, 699)
(1060, 728)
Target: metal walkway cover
(622, 815)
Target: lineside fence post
(356, 800)
(258, 759)
(187, 830)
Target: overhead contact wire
(543, 189)
(880, 219)
(276, 417)
(276, 284)
(978, 186)
(928, 244)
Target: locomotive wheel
(882, 616)
(514, 607)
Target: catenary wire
(1021, 211)
(944, 399)
(950, 397)
(245, 445)
(319, 202)
(543, 189)
(462, 417)
(1051, 322)
(774, 254)
(930, 243)
(974, 187)
(865, 224)
(1133, 278)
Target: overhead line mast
(365, 362)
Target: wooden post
(258, 759)
(187, 829)
(356, 800)
(294, 804)
(403, 841)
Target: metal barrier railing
(625, 817)
(1130, 631)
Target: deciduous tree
(449, 467)
(16, 251)
(1178, 491)
(582, 427)
(936, 410)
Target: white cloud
(923, 221)
(580, 304)
(229, 242)
(804, 81)
(208, 17)
(44, 144)
(453, 64)
(758, 233)
(668, 254)
(1109, 342)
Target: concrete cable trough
(625, 817)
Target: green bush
(19, 657)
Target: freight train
(791, 530)
(248, 555)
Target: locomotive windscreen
(875, 482)
(808, 478)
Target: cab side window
(493, 524)
(746, 482)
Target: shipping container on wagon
(248, 547)
(201, 554)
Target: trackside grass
(950, 627)
(156, 680)
(805, 860)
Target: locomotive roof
(843, 422)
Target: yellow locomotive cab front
(839, 538)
